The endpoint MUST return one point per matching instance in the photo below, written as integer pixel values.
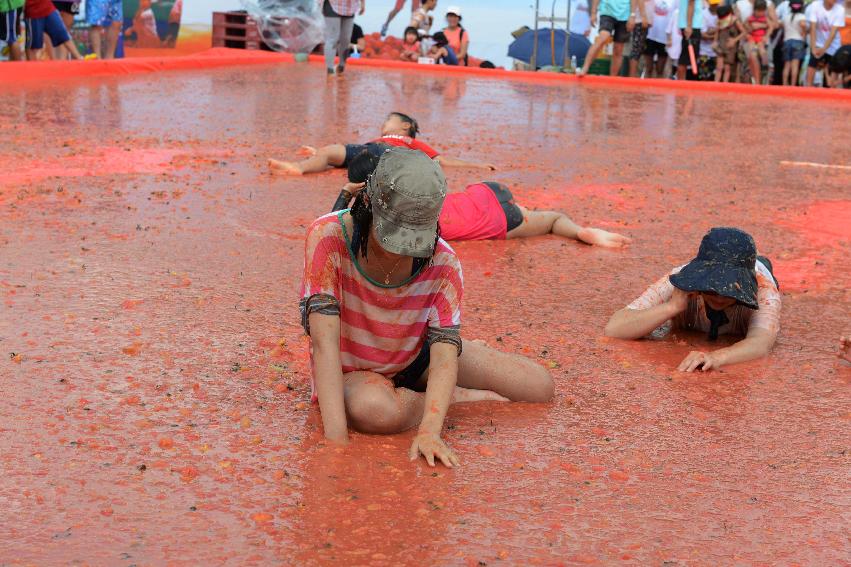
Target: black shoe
(330, 71)
(340, 69)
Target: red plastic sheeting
(155, 395)
(51, 71)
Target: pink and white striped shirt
(382, 328)
(344, 7)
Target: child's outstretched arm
(448, 161)
(757, 344)
(328, 374)
(442, 377)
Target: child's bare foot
(307, 151)
(462, 395)
(844, 349)
(285, 167)
(604, 238)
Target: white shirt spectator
(662, 10)
(710, 21)
(580, 19)
(824, 20)
(792, 26)
(676, 35)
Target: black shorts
(513, 214)
(67, 7)
(638, 42)
(616, 28)
(10, 23)
(695, 43)
(353, 150)
(653, 47)
(410, 377)
(820, 62)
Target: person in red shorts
(485, 211)
(398, 130)
(42, 18)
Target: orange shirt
(454, 37)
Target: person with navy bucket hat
(726, 289)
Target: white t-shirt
(792, 26)
(580, 19)
(676, 35)
(825, 20)
(710, 21)
(648, 9)
(662, 10)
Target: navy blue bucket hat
(725, 264)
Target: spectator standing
(794, 31)
(674, 42)
(105, 18)
(689, 22)
(727, 44)
(638, 37)
(339, 23)
(758, 29)
(580, 20)
(744, 10)
(616, 22)
(458, 37)
(42, 18)
(10, 18)
(657, 38)
(422, 19)
(825, 19)
(67, 11)
(415, 4)
(707, 62)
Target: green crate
(600, 66)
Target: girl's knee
(374, 409)
(540, 381)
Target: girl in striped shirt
(381, 298)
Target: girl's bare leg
(796, 67)
(516, 377)
(333, 156)
(537, 223)
(375, 405)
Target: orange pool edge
(42, 71)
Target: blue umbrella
(522, 47)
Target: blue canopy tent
(548, 47)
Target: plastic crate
(237, 30)
(600, 67)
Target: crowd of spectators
(751, 41)
(47, 26)
(795, 42)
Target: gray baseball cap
(406, 191)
